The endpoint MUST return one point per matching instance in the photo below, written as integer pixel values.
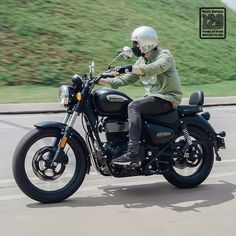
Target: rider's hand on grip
(124, 69)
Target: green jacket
(160, 79)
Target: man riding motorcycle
(51, 161)
(156, 69)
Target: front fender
(74, 133)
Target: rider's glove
(124, 69)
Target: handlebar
(107, 75)
(110, 73)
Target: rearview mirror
(127, 52)
(91, 68)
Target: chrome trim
(66, 118)
(91, 155)
(115, 98)
(73, 119)
(116, 127)
(64, 95)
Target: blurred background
(44, 42)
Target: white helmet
(146, 37)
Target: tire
(204, 168)
(26, 182)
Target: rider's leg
(149, 105)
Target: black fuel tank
(110, 102)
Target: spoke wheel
(38, 177)
(193, 168)
(43, 167)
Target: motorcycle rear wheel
(202, 170)
(41, 182)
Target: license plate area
(220, 143)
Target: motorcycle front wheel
(40, 180)
(194, 170)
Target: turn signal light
(222, 134)
(79, 96)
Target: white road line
(32, 115)
(12, 197)
(93, 173)
(127, 184)
(227, 161)
(218, 175)
(89, 188)
(10, 181)
(220, 108)
(7, 181)
(12, 127)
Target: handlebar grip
(104, 75)
(107, 75)
(124, 69)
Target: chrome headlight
(64, 95)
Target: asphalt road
(129, 206)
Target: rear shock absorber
(186, 136)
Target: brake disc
(194, 156)
(42, 167)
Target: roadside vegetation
(42, 94)
(44, 42)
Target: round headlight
(64, 95)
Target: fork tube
(73, 119)
(70, 125)
(64, 139)
(66, 118)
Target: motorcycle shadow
(150, 195)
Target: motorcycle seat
(189, 109)
(196, 102)
(170, 117)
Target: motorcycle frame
(84, 106)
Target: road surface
(129, 206)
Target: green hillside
(46, 41)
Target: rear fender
(216, 139)
(74, 133)
(199, 122)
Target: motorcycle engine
(116, 132)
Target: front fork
(66, 119)
(60, 144)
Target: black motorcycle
(51, 161)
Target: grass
(44, 42)
(41, 94)
(28, 94)
(227, 88)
